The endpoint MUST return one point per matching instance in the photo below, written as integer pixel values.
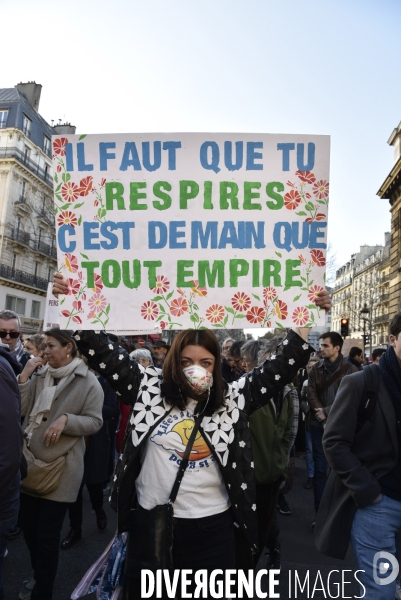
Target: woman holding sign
(189, 410)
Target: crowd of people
(212, 431)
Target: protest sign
(191, 230)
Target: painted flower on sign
(98, 283)
(215, 313)
(269, 293)
(292, 199)
(179, 306)
(97, 303)
(163, 324)
(256, 314)
(162, 285)
(149, 311)
(59, 146)
(85, 186)
(314, 292)
(67, 218)
(200, 291)
(300, 316)
(71, 262)
(70, 191)
(321, 189)
(73, 286)
(281, 309)
(318, 257)
(241, 301)
(306, 176)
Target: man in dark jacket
(362, 499)
(10, 450)
(355, 357)
(324, 380)
(10, 334)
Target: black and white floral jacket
(226, 432)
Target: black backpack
(370, 394)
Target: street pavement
(297, 548)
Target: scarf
(391, 373)
(332, 367)
(18, 350)
(44, 401)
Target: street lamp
(365, 316)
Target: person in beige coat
(61, 404)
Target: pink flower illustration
(162, 285)
(300, 316)
(178, 306)
(59, 146)
(97, 303)
(201, 291)
(163, 324)
(269, 293)
(313, 292)
(70, 191)
(149, 311)
(321, 189)
(73, 286)
(71, 262)
(98, 283)
(215, 313)
(241, 302)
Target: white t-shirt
(202, 491)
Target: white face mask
(200, 379)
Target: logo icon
(384, 562)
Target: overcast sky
(275, 66)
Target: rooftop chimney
(64, 129)
(31, 91)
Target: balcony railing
(385, 297)
(14, 152)
(19, 236)
(28, 240)
(385, 278)
(382, 318)
(23, 277)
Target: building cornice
(392, 183)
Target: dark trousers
(42, 521)
(206, 543)
(266, 501)
(75, 509)
(320, 462)
(6, 529)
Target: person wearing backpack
(362, 498)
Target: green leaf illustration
(156, 298)
(79, 205)
(309, 206)
(107, 309)
(62, 301)
(311, 306)
(194, 318)
(279, 254)
(55, 177)
(195, 307)
(240, 316)
(280, 325)
(80, 220)
(81, 137)
(229, 309)
(202, 327)
(255, 296)
(84, 255)
(55, 210)
(287, 287)
(297, 298)
(301, 213)
(169, 295)
(225, 320)
(66, 177)
(59, 198)
(65, 206)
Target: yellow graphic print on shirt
(175, 439)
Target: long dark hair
(175, 386)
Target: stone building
(391, 191)
(363, 281)
(27, 232)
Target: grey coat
(357, 459)
(81, 400)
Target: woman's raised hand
(60, 285)
(323, 300)
(30, 367)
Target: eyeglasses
(13, 334)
